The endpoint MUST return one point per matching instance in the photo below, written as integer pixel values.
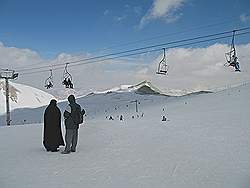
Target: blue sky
(35, 33)
(53, 27)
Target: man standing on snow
(72, 116)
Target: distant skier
(121, 118)
(164, 118)
(73, 117)
(52, 135)
(111, 118)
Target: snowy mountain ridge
(146, 87)
(133, 88)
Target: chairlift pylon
(49, 81)
(67, 78)
(231, 56)
(163, 66)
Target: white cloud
(189, 68)
(163, 9)
(120, 18)
(106, 12)
(11, 57)
(245, 17)
(137, 10)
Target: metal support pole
(136, 105)
(7, 74)
(7, 102)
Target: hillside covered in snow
(103, 103)
(22, 96)
(204, 143)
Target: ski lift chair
(231, 57)
(162, 66)
(67, 78)
(49, 81)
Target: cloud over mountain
(189, 68)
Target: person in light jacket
(72, 121)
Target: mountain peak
(146, 87)
(143, 88)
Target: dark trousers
(71, 137)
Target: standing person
(52, 135)
(72, 116)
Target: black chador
(52, 135)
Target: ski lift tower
(7, 74)
(136, 105)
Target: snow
(22, 96)
(130, 88)
(205, 143)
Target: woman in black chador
(52, 135)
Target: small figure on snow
(121, 118)
(111, 118)
(164, 118)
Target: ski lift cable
(138, 53)
(229, 20)
(136, 49)
(171, 34)
(159, 49)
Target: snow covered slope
(98, 104)
(113, 102)
(205, 143)
(22, 96)
(103, 104)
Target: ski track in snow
(205, 144)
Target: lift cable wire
(172, 34)
(133, 50)
(118, 55)
(134, 54)
(183, 31)
(136, 49)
